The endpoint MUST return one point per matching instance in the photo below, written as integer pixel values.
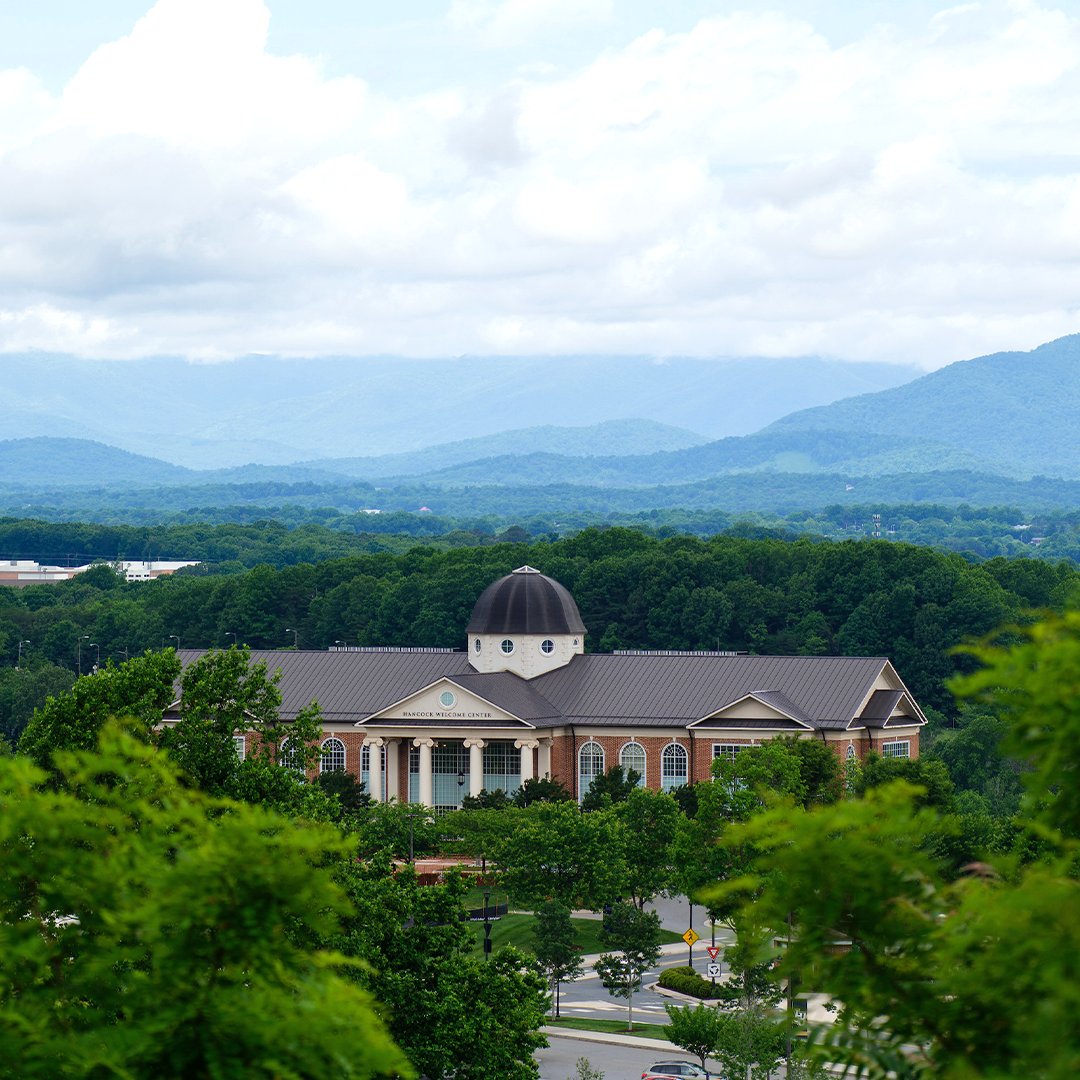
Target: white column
(476, 765)
(375, 769)
(526, 746)
(545, 758)
(392, 770)
(426, 796)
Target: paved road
(559, 1060)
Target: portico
(432, 769)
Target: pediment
(754, 710)
(444, 702)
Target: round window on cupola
(507, 646)
(476, 645)
(547, 646)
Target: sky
(217, 178)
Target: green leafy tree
(555, 852)
(541, 789)
(487, 800)
(454, 1015)
(748, 1045)
(696, 1030)
(633, 936)
(613, 786)
(140, 689)
(931, 776)
(553, 943)
(651, 820)
(345, 788)
(148, 930)
(24, 689)
(394, 830)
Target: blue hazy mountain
(274, 411)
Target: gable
(756, 711)
(447, 702)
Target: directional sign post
(714, 968)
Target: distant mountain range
(978, 431)
(276, 412)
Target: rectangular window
(726, 749)
(901, 748)
(239, 746)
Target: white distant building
(20, 572)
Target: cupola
(525, 622)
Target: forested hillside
(1015, 411)
(765, 596)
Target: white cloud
(499, 23)
(745, 186)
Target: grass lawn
(518, 930)
(616, 1027)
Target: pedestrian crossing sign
(691, 936)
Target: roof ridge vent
(525, 570)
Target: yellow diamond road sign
(691, 936)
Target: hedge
(685, 980)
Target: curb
(610, 1038)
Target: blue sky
(211, 178)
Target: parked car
(665, 1070)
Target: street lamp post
(232, 634)
(78, 652)
(97, 657)
(487, 927)
(176, 638)
(19, 660)
(295, 636)
(340, 642)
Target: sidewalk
(612, 1038)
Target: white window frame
(898, 748)
(240, 746)
(322, 757)
(644, 759)
(730, 750)
(584, 783)
(284, 756)
(674, 751)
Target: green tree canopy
(148, 931)
(140, 689)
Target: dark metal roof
(881, 705)
(592, 690)
(512, 693)
(526, 602)
(828, 690)
(350, 686)
(782, 703)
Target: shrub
(685, 980)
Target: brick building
(524, 699)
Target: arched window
(333, 756)
(632, 756)
(590, 766)
(673, 770)
(287, 759)
(850, 752)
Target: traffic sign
(713, 971)
(713, 951)
(691, 936)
